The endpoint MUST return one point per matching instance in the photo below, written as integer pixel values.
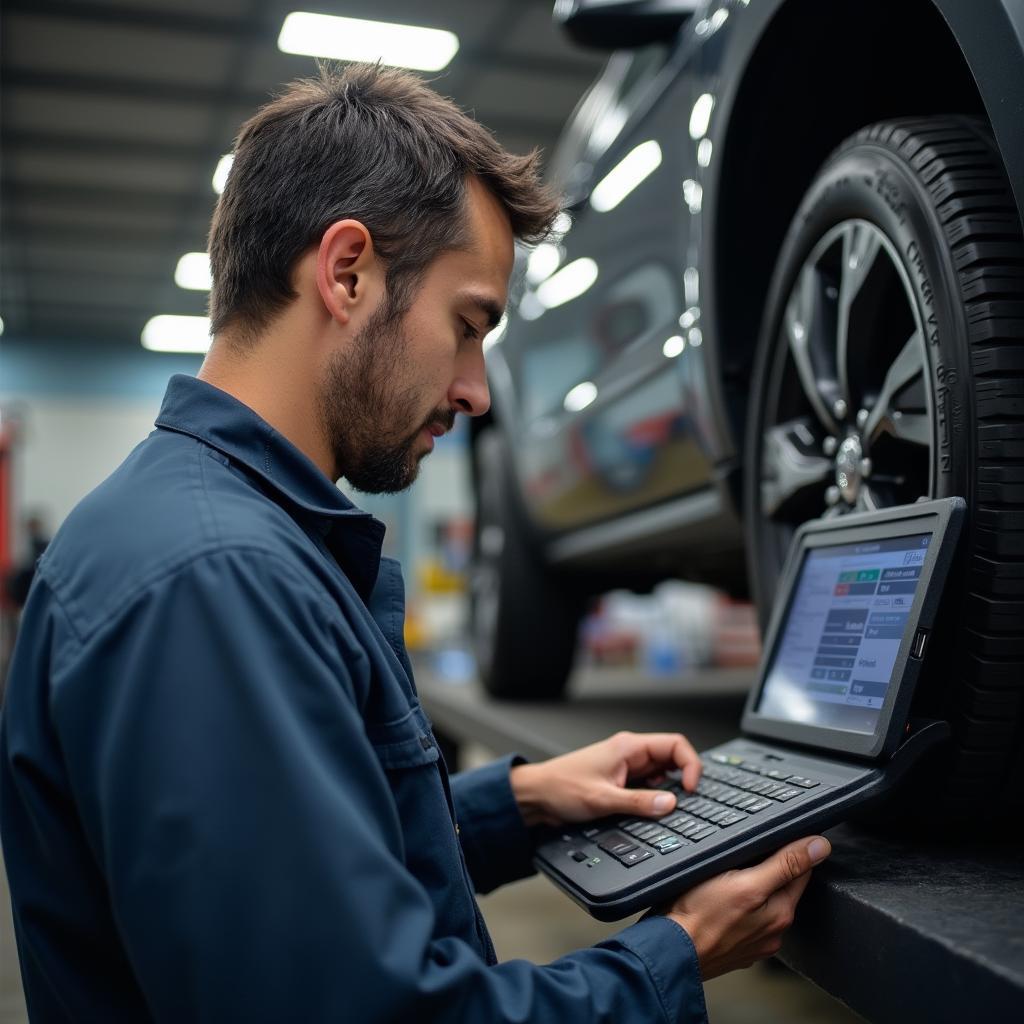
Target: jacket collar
(200, 410)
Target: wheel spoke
(790, 465)
(861, 246)
(867, 500)
(912, 427)
(799, 325)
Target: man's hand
(591, 782)
(739, 917)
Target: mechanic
(220, 797)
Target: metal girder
(266, 31)
(127, 87)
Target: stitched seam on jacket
(179, 564)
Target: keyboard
(731, 791)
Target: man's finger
(788, 864)
(644, 802)
(658, 750)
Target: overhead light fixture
(580, 396)
(530, 307)
(1, 325)
(568, 283)
(700, 115)
(630, 171)
(561, 224)
(193, 272)
(494, 335)
(403, 46)
(169, 333)
(543, 262)
(220, 175)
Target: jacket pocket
(404, 742)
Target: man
(221, 799)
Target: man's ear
(345, 261)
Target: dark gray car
(789, 282)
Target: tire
(930, 197)
(524, 619)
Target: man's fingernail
(818, 850)
(664, 802)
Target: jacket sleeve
(247, 831)
(497, 845)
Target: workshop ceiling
(115, 113)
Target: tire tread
(956, 161)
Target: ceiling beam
(107, 145)
(126, 87)
(266, 32)
(113, 235)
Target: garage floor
(531, 920)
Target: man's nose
(469, 392)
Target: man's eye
(469, 331)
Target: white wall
(68, 446)
(84, 408)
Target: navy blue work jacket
(219, 795)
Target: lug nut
(832, 495)
(865, 467)
(862, 418)
(839, 409)
(830, 446)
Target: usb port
(917, 647)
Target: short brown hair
(369, 143)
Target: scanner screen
(850, 610)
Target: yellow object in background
(414, 631)
(436, 578)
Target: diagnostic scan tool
(826, 728)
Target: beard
(364, 408)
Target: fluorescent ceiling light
(543, 262)
(1, 325)
(568, 283)
(404, 46)
(580, 396)
(166, 333)
(700, 115)
(632, 169)
(561, 224)
(220, 175)
(493, 336)
(193, 272)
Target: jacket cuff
(668, 954)
(497, 844)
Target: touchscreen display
(833, 663)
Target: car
(788, 282)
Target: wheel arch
(792, 80)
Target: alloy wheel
(850, 422)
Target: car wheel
(891, 367)
(524, 619)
